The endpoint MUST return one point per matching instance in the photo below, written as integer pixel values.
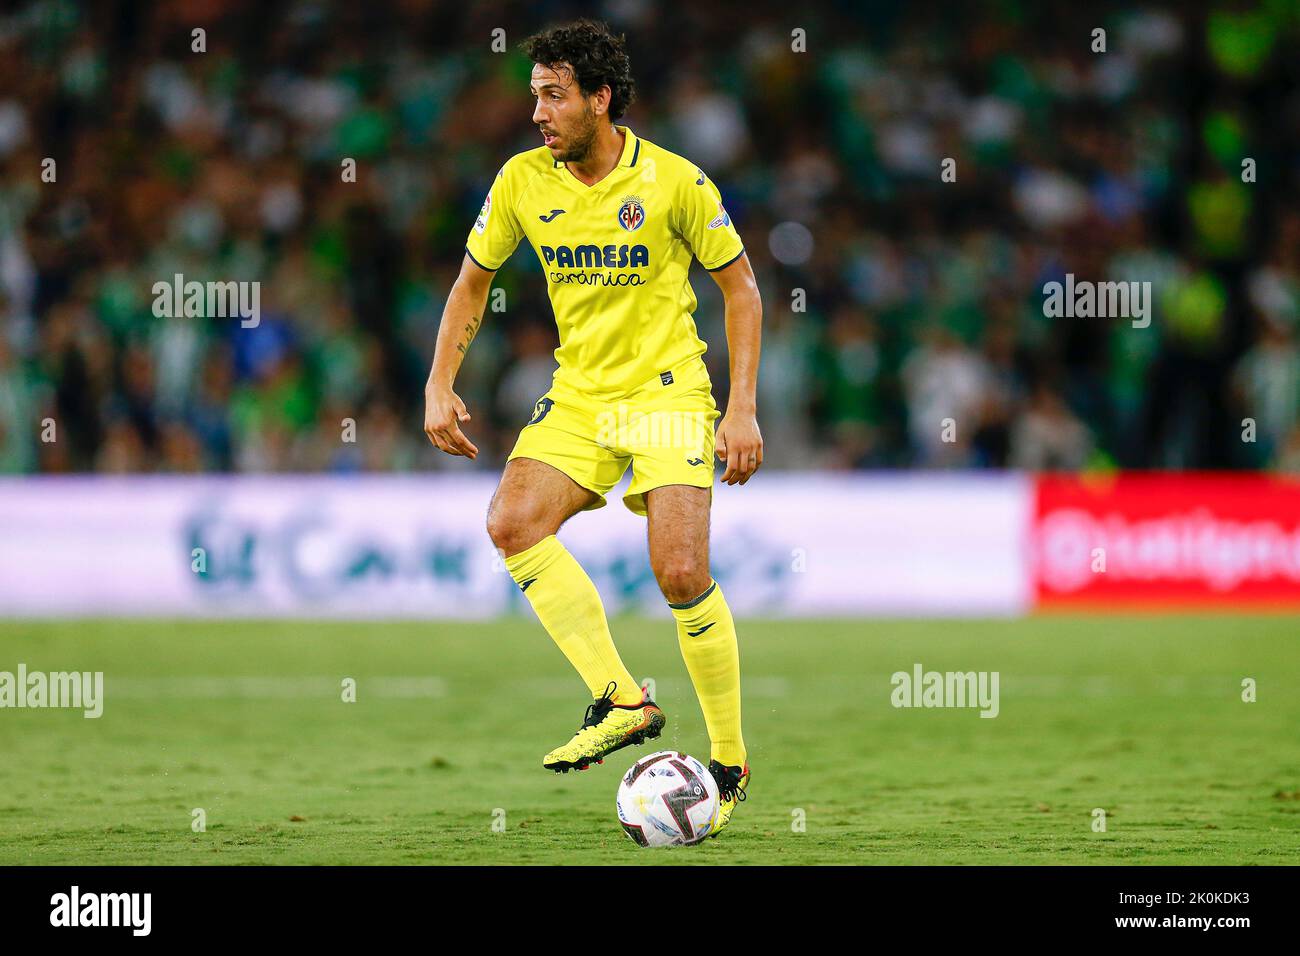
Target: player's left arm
(703, 222)
(739, 442)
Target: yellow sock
(707, 636)
(569, 607)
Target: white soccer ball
(667, 799)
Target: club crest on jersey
(631, 215)
(722, 220)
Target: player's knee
(511, 532)
(682, 579)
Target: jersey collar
(631, 148)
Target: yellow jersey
(616, 257)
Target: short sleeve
(703, 222)
(496, 231)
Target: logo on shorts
(666, 377)
(631, 215)
(540, 410)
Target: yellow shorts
(662, 430)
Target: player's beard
(582, 138)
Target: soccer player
(615, 221)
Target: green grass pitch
(1139, 716)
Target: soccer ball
(667, 799)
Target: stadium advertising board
(794, 545)
(1152, 540)
(364, 547)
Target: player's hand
(443, 413)
(740, 445)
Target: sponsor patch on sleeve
(481, 222)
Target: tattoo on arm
(471, 330)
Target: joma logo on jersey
(594, 256)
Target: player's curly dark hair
(596, 55)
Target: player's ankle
(629, 697)
(728, 756)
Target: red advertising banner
(1161, 540)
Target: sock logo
(524, 585)
(700, 631)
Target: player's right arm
(494, 237)
(443, 409)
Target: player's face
(564, 116)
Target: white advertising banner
(786, 544)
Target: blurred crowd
(904, 319)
